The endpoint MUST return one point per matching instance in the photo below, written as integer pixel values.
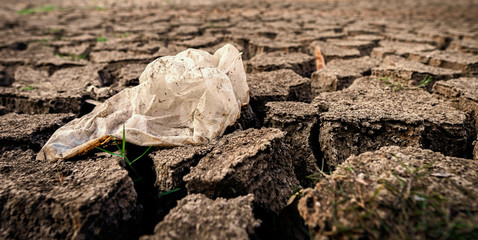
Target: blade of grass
(403, 164)
(112, 153)
(350, 168)
(169, 192)
(116, 144)
(101, 39)
(123, 151)
(27, 11)
(375, 194)
(401, 180)
(124, 140)
(426, 166)
(141, 155)
(425, 81)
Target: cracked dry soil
(339, 139)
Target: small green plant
(101, 39)
(27, 88)
(46, 8)
(392, 84)
(396, 84)
(349, 168)
(99, 8)
(122, 154)
(426, 80)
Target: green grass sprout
(396, 84)
(101, 39)
(426, 80)
(122, 154)
(27, 88)
(168, 192)
(46, 8)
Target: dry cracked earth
(362, 121)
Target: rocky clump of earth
(227, 219)
(394, 192)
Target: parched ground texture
(362, 122)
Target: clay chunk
(198, 217)
(299, 121)
(86, 199)
(391, 193)
(252, 161)
(369, 115)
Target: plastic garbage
(190, 98)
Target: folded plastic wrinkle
(190, 98)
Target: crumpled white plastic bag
(190, 98)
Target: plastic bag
(190, 98)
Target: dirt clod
(198, 217)
(395, 193)
(247, 162)
(369, 115)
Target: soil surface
(362, 121)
